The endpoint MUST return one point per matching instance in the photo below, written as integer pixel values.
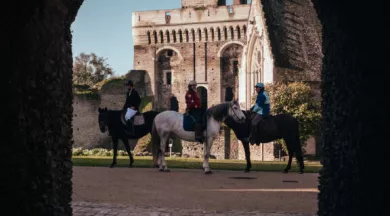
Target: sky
(104, 28)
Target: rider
(133, 100)
(261, 108)
(194, 108)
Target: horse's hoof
(208, 172)
(285, 171)
(167, 170)
(161, 170)
(112, 165)
(301, 172)
(247, 170)
(130, 166)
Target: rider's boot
(198, 133)
(130, 126)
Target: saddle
(267, 129)
(189, 122)
(138, 119)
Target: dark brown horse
(282, 126)
(113, 120)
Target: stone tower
(202, 41)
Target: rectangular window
(221, 2)
(168, 78)
(230, 9)
(235, 67)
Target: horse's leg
(299, 157)
(247, 156)
(206, 155)
(290, 157)
(127, 146)
(163, 164)
(115, 145)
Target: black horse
(114, 121)
(282, 126)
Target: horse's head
(103, 119)
(235, 112)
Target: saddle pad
(188, 123)
(139, 120)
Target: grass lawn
(193, 163)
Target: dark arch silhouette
(37, 109)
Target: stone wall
(86, 132)
(263, 152)
(224, 147)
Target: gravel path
(135, 191)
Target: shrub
(97, 152)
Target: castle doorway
(230, 63)
(202, 92)
(168, 62)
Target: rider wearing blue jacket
(261, 108)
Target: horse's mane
(218, 111)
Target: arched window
(193, 35)
(149, 39)
(168, 36)
(161, 37)
(180, 36)
(187, 36)
(155, 36)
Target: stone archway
(230, 64)
(168, 62)
(40, 39)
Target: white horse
(170, 124)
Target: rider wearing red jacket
(194, 108)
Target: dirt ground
(190, 189)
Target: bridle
(235, 114)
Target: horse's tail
(155, 144)
(298, 146)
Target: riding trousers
(130, 113)
(256, 119)
(197, 113)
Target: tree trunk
(355, 117)
(37, 107)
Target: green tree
(89, 69)
(296, 99)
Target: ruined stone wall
(263, 152)
(86, 132)
(295, 33)
(224, 147)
